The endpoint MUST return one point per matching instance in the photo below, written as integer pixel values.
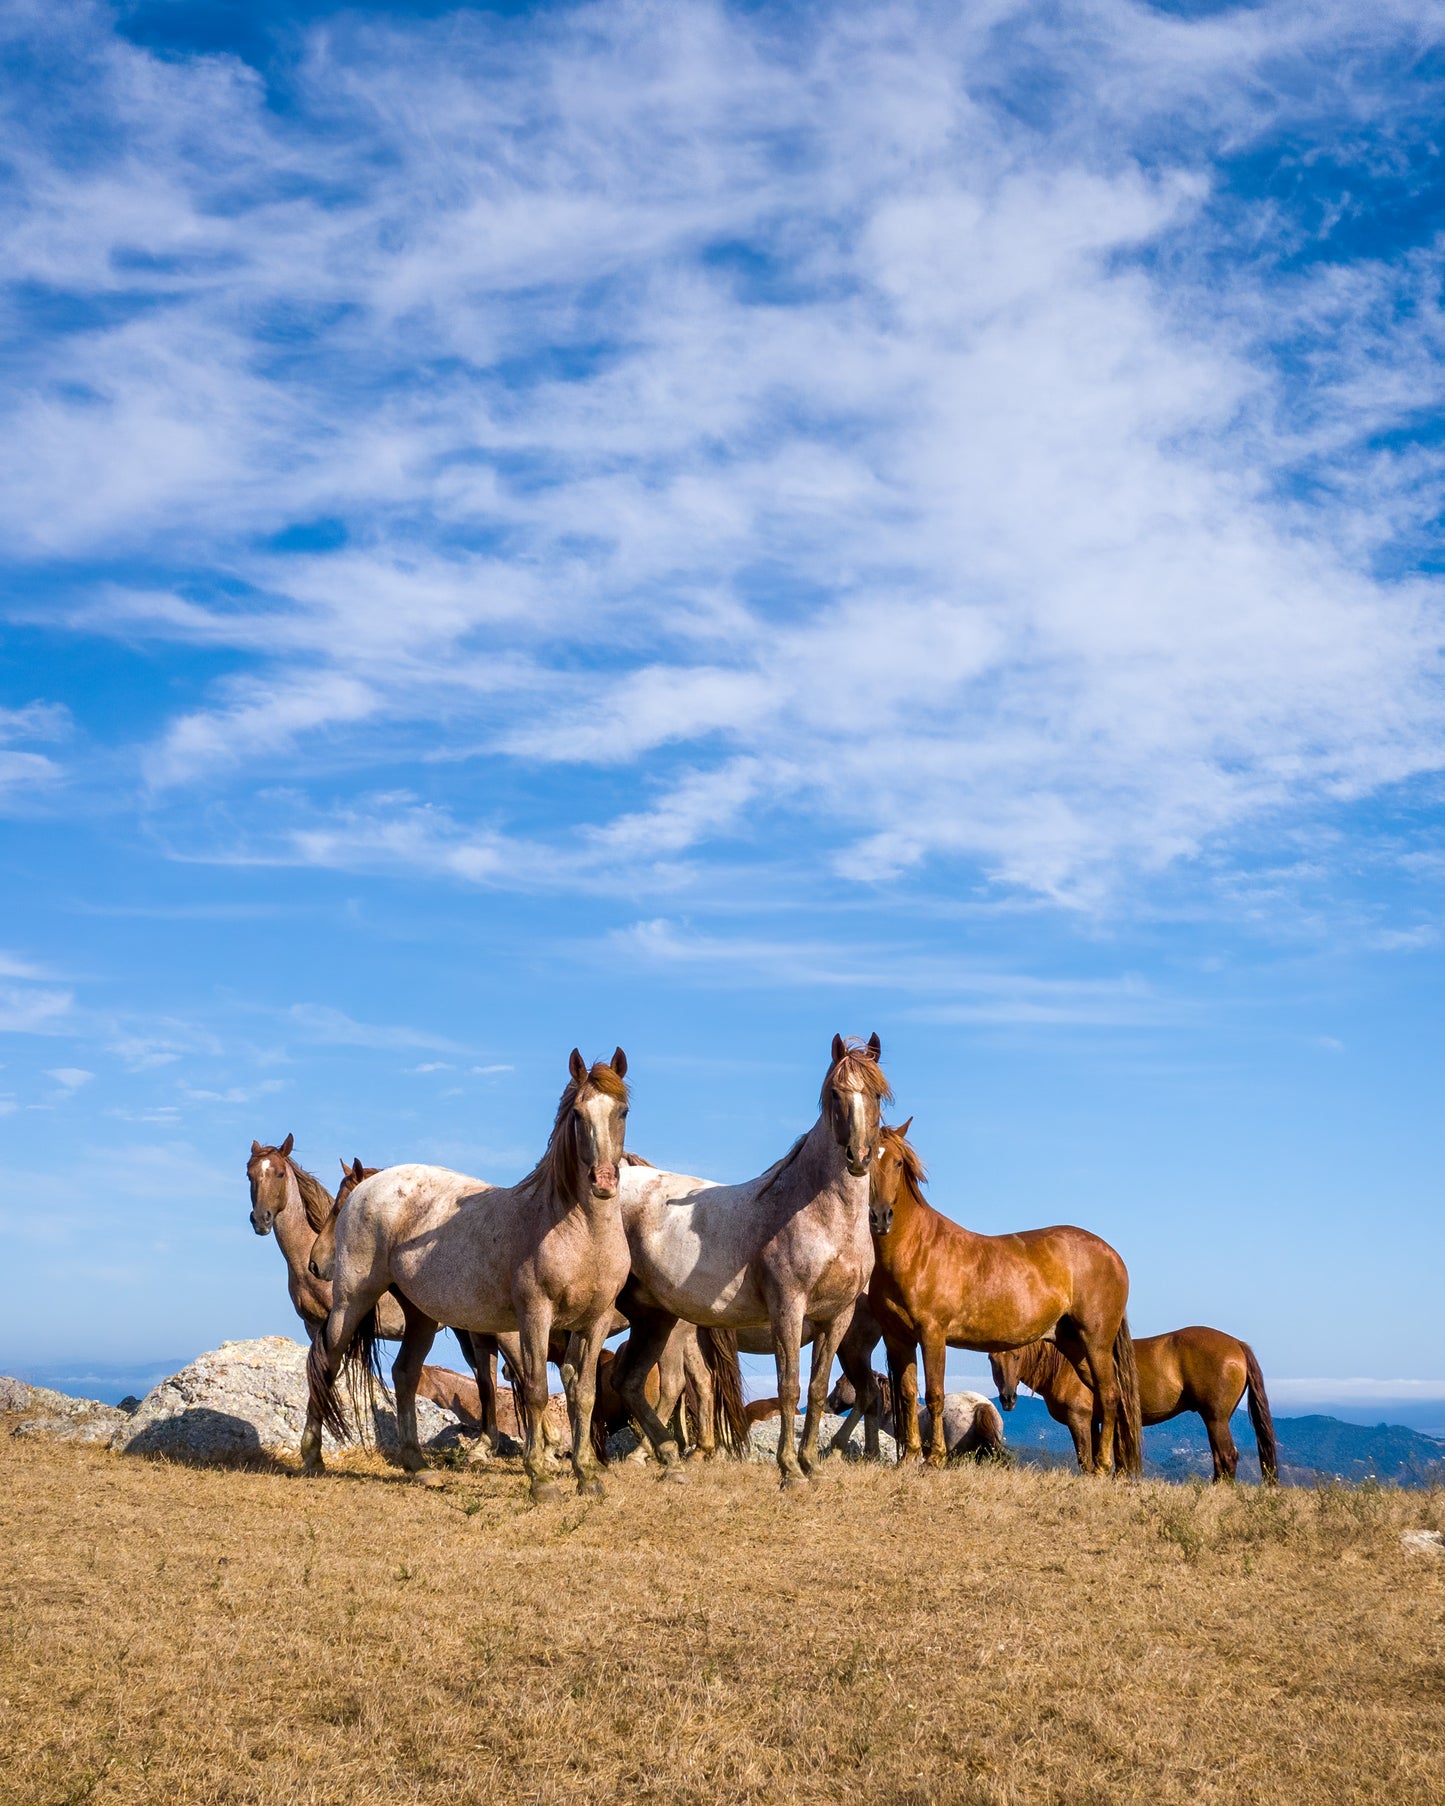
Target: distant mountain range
(1311, 1449)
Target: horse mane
(859, 1065)
(559, 1170)
(779, 1167)
(915, 1173)
(1041, 1366)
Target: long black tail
(361, 1370)
(730, 1415)
(898, 1359)
(1259, 1416)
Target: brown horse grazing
(941, 1285)
(788, 1247)
(1195, 1369)
(546, 1254)
(696, 1388)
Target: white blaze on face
(265, 1166)
(602, 1143)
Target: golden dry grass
(982, 1636)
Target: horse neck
(821, 1166)
(294, 1234)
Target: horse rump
(1260, 1417)
(731, 1428)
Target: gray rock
(1424, 1542)
(244, 1399)
(44, 1412)
(764, 1442)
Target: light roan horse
(940, 1285)
(1194, 1369)
(787, 1247)
(546, 1254)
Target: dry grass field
(979, 1635)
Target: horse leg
(534, 1327)
(1100, 1357)
(695, 1369)
(935, 1355)
(1080, 1425)
(582, 1353)
(645, 1344)
(1221, 1447)
(856, 1360)
(825, 1347)
(328, 1346)
(416, 1344)
(904, 1361)
(480, 1353)
(311, 1461)
(787, 1325)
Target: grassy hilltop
(996, 1638)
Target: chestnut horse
(939, 1284)
(787, 1247)
(1195, 1369)
(546, 1254)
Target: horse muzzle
(881, 1221)
(262, 1224)
(603, 1178)
(1007, 1400)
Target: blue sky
(700, 527)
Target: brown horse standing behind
(940, 1285)
(1195, 1369)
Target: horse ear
(837, 1049)
(875, 1048)
(255, 1146)
(903, 1128)
(358, 1171)
(619, 1064)
(577, 1066)
(286, 1146)
(344, 1167)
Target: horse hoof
(791, 1482)
(546, 1492)
(591, 1488)
(697, 1454)
(676, 1473)
(427, 1476)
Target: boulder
(1424, 1542)
(244, 1399)
(763, 1443)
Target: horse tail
(360, 1368)
(730, 1412)
(1259, 1416)
(1129, 1432)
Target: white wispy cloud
(334, 1028)
(813, 423)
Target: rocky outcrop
(46, 1413)
(763, 1442)
(241, 1400)
(244, 1399)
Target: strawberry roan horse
(548, 1253)
(1194, 1369)
(940, 1285)
(790, 1245)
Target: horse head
(322, 1261)
(1005, 1370)
(894, 1164)
(268, 1171)
(593, 1119)
(852, 1098)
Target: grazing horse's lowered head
(267, 1171)
(587, 1138)
(895, 1164)
(323, 1249)
(1005, 1370)
(852, 1094)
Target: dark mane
(776, 1171)
(915, 1174)
(856, 1063)
(1041, 1366)
(559, 1169)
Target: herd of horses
(834, 1246)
